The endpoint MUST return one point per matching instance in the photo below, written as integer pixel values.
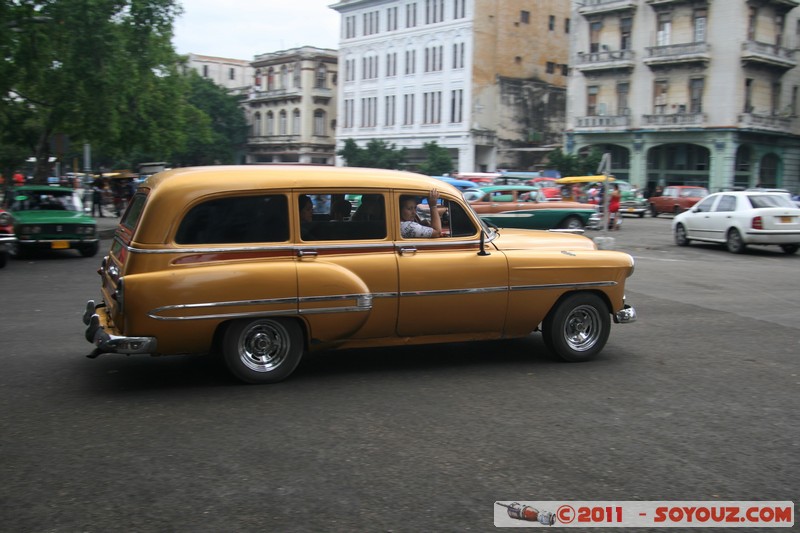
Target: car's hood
(51, 217)
(515, 239)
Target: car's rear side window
(134, 211)
(236, 219)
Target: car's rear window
(134, 211)
(770, 200)
(237, 219)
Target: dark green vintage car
(50, 218)
(522, 206)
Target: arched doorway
(678, 164)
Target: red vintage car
(6, 236)
(676, 199)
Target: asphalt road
(698, 400)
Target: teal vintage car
(524, 206)
(50, 218)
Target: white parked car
(741, 218)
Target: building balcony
(594, 7)
(604, 122)
(271, 140)
(605, 60)
(666, 2)
(673, 120)
(677, 54)
(769, 55)
(274, 94)
(775, 123)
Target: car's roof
(43, 188)
(685, 187)
(750, 193)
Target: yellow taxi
(265, 263)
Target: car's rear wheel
(734, 242)
(790, 248)
(680, 235)
(263, 350)
(677, 210)
(578, 328)
(571, 223)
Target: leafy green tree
(97, 71)
(377, 154)
(575, 164)
(216, 128)
(438, 162)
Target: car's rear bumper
(772, 237)
(105, 338)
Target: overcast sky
(242, 29)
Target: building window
(664, 32)
(458, 55)
(566, 25)
(270, 79)
(622, 99)
(257, 124)
(391, 19)
(594, 36)
(369, 70)
(780, 23)
(270, 126)
(432, 107)
(434, 11)
(625, 32)
(457, 105)
(411, 15)
(551, 67)
(205, 71)
(459, 9)
(283, 125)
(591, 100)
(349, 27)
(525, 17)
(231, 74)
(551, 23)
(411, 59)
(371, 22)
(297, 74)
(565, 70)
(752, 21)
(433, 58)
(793, 103)
(408, 109)
(319, 123)
(748, 95)
(391, 64)
(775, 98)
(349, 70)
(696, 86)
(661, 87)
(296, 122)
(389, 111)
(349, 113)
(320, 82)
(699, 25)
(369, 112)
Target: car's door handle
(408, 250)
(306, 253)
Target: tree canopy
(575, 164)
(438, 162)
(105, 72)
(377, 154)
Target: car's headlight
(5, 219)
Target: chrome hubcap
(582, 328)
(263, 347)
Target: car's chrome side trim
(439, 243)
(548, 286)
(440, 292)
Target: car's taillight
(758, 223)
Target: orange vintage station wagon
(265, 263)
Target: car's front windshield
(695, 193)
(46, 201)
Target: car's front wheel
(680, 235)
(571, 223)
(263, 350)
(89, 250)
(734, 242)
(578, 327)
(790, 248)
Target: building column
(723, 163)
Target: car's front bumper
(626, 315)
(7, 241)
(104, 338)
(57, 244)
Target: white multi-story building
(233, 74)
(291, 107)
(688, 91)
(486, 80)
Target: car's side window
(705, 205)
(236, 219)
(344, 216)
(458, 221)
(726, 203)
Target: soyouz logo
(682, 514)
